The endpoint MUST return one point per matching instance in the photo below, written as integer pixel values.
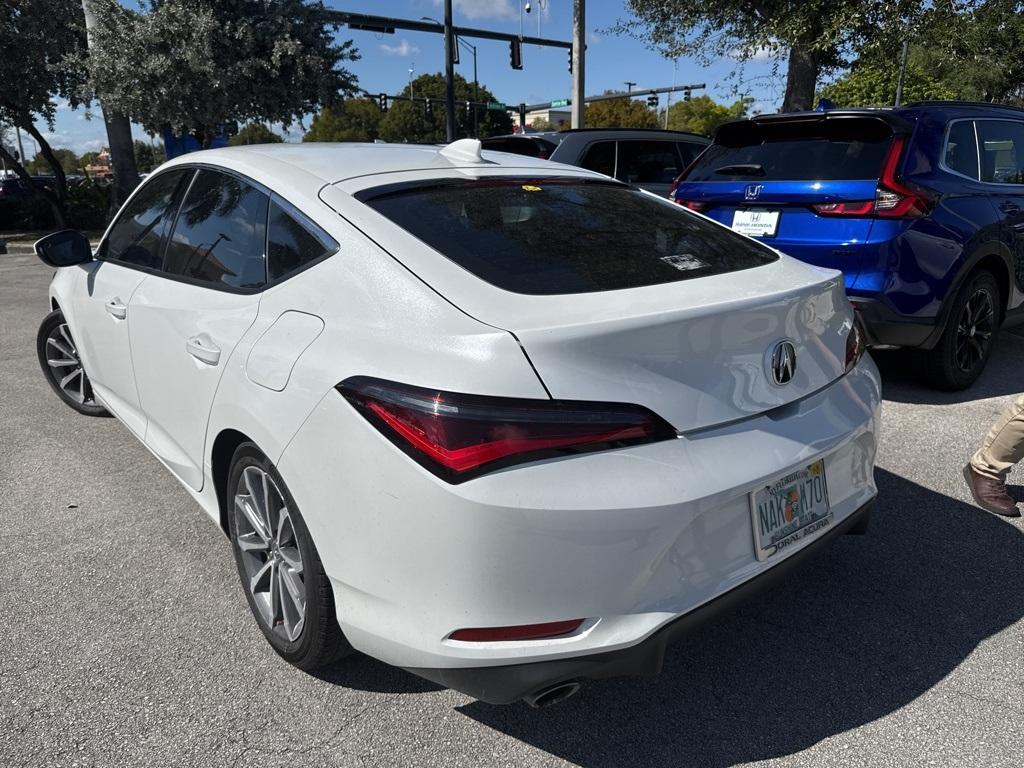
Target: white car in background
(504, 423)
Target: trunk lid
(697, 355)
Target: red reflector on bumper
(522, 632)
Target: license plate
(790, 510)
(755, 223)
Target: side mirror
(64, 249)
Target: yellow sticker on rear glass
(531, 188)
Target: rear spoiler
(874, 125)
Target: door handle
(116, 308)
(203, 349)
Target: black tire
(320, 640)
(58, 357)
(966, 344)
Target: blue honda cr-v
(921, 207)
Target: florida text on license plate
(790, 509)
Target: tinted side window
(688, 152)
(647, 162)
(600, 157)
(219, 235)
(1002, 151)
(292, 244)
(961, 154)
(138, 235)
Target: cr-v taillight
(894, 199)
(459, 436)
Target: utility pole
(903, 68)
(579, 45)
(449, 72)
(21, 150)
(119, 136)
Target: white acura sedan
(504, 423)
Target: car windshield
(846, 149)
(563, 236)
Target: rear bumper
(507, 684)
(886, 327)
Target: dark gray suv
(648, 158)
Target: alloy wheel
(974, 329)
(269, 549)
(66, 367)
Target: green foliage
(874, 85)
(147, 156)
(41, 41)
(88, 204)
(192, 64)
(619, 113)
(820, 32)
(350, 120)
(254, 133)
(68, 161)
(702, 114)
(408, 121)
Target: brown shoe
(990, 494)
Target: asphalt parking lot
(128, 641)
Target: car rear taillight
(521, 632)
(694, 205)
(459, 436)
(894, 199)
(856, 343)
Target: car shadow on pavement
(862, 630)
(902, 380)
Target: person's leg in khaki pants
(1003, 447)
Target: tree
(350, 120)
(870, 84)
(148, 157)
(702, 114)
(255, 133)
(41, 42)
(812, 34)
(409, 121)
(619, 113)
(191, 65)
(968, 52)
(40, 165)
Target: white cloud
(761, 53)
(404, 48)
(484, 9)
(593, 38)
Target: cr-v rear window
(560, 236)
(836, 149)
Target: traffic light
(652, 100)
(686, 95)
(428, 107)
(570, 60)
(382, 102)
(515, 54)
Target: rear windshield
(529, 147)
(564, 236)
(848, 149)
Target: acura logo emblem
(783, 362)
(752, 191)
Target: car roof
(307, 167)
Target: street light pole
(579, 43)
(449, 72)
(903, 69)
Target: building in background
(101, 168)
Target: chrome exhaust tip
(554, 694)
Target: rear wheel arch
(224, 447)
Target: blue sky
(386, 60)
